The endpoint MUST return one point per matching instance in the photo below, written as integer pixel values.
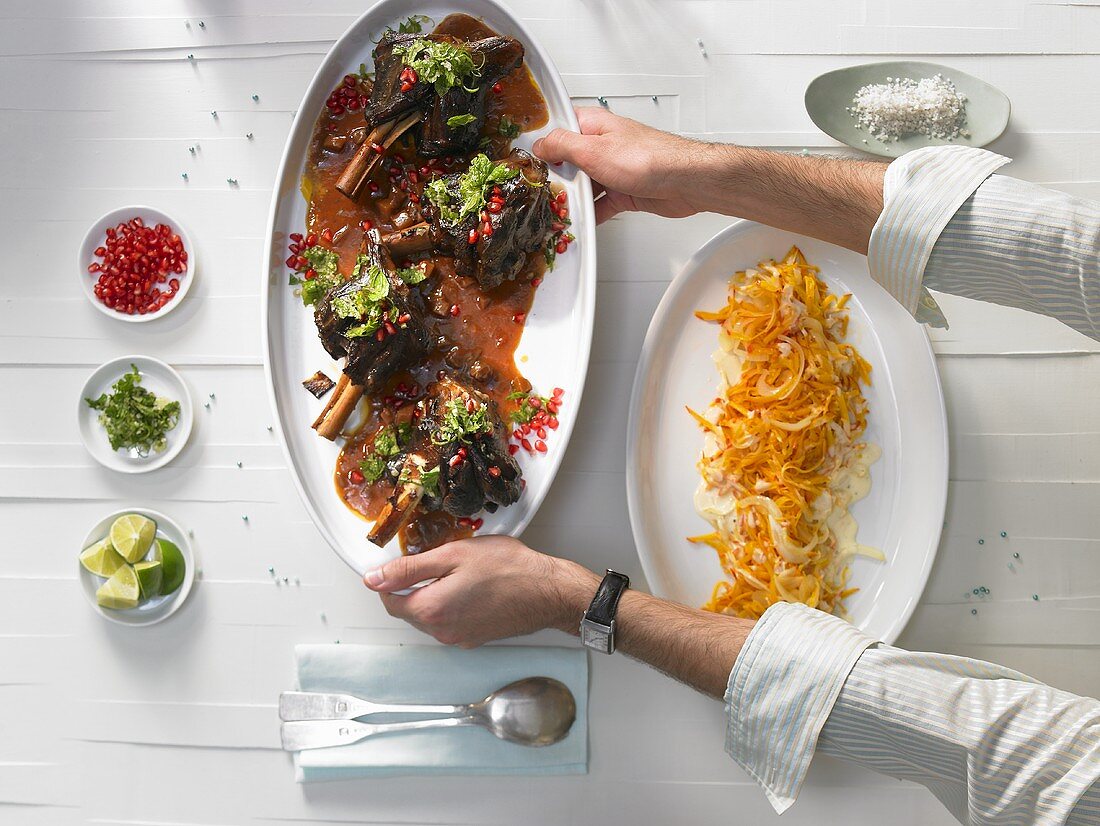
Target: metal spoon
(536, 711)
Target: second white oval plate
(902, 515)
(556, 339)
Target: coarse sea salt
(931, 106)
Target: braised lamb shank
(458, 461)
(375, 323)
(519, 227)
(399, 101)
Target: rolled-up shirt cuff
(921, 192)
(782, 689)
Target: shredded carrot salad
(783, 456)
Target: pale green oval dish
(829, 96)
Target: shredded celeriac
(783, 456)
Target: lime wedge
(121, 591)
(101, 559)
(171, 560)
(132, 536)
(150, 575)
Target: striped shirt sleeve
(992, 744)
(949, 224)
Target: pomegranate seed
(495, 206)
(561, 246)
(519, 318)
(497, 88)
(390, 329)
(357, 477)
(292, 262)
(535, 402)
(455, 310)
(540, 446)
(513, 450)
(377, 148)
(527, 446)
(374, 188)
(494, 471)
(466, 522)
(541, 432)
(403, 318)
(552, 406)
(326, 236)
(454, 461)
(477, 523)
(366, 226)
(381, 334)
(294, 236)
(311, 274)
(93, 267)
(552, 423)
(557, 393)
(174, 284)
(474, 235)
(301, 262)
(517, 434)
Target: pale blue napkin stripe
(434, 674)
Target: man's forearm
(693, 646)
(828, 198)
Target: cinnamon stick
(340, 406)
(355, 174)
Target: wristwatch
(598, 624)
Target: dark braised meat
(377, 327)
(400, 100)
(458, 461)
(318, 384)
(521, 224)
(387, 101)
(497, 56)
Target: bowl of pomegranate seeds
(136, 264)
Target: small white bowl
(97, 235)
(156, 377)
(158, 608)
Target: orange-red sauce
(488, 325)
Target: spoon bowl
(535, 711)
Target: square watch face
(594, 637)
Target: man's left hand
(484, 589)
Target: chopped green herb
(385, 442)
(428, 479)
(324, 263)
(412, 275)
(366, 303)
(372, 468)
(404, 433)
(134, 418)
(459, 424)
(527, 411)
(445, 65)
(471, 190)
(508, 128)
(414, 24)
(460, 120)
(364, 73)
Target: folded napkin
(434, 674)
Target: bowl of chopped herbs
(134, 414)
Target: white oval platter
(903, 514)
(556, 339)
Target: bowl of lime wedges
(136, 567)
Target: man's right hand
(638, 168)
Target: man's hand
(485, 589)
(638, 168)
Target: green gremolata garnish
(508, 128)
(445, 65)
(526, 411)
(134, 418)
(461, 425)
(324, 263)
(372, 468)
(460, 120)
(473, 187)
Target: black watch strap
(598, 624)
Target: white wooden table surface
(175, 724)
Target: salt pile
(930, 106)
